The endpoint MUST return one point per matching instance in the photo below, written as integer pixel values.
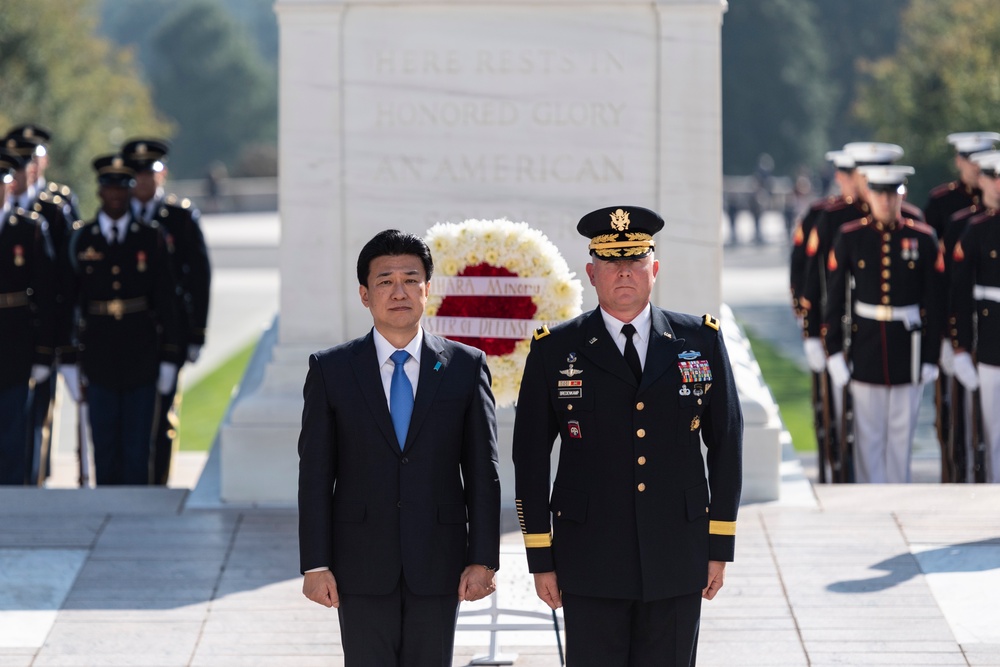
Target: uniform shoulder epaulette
(840, 204)
(920, 226)
(711, 322)
(983, 216)
(542, 332)
(944, 189)
(964, 213)
(855, 225)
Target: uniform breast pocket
(575, 412)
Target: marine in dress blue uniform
(26, 324)
(126, 331)
(632, 534)
(975, 319)
(885, 278)
(178, 219)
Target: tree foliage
(56, 73)
(775, 96)
(208, 78)
(942, 78)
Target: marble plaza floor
(828, 575)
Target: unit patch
(574, 429)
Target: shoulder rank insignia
(541, 332)
(711, 322)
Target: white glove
(947, 357)
(928, 373)
(194, 351)
(168, 376)
(815, 354)
(73, 378)
(836, 366)
(965, 371)
(40, 373)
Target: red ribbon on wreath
(497, 307)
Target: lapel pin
(571, 359)
(592, 341)
(437, 366)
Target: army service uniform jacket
(179, 222)
(975, 289)
(27, 297)
(125, 300)
(629, 515)
(898, 291)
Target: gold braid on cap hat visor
(608, 245)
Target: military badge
(570, 372)
(910, 249)
(90, 255)
(696, 370)
(685, 390)
(619, 220)
(574, 429)
(571, 358)
(699, 390)
(695, 423)
(689, 355)
(140, 261)
(18, 255)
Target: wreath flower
(498, 276)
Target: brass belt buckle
(883, 313)
(116, 307)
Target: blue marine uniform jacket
(631, 513)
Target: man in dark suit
(640, 535)
(399, 491)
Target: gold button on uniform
(642, 460)
(885, 273)
(641, 487)
(641, 433)
(886, 261)
(885, 287)
(640, 405)
(569, 407)
(115, 270)
(116, 285)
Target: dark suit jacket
(629, 515)
(370, 511)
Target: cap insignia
(619, 220)
(117, 162)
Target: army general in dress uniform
(633, 535)
(126, 328)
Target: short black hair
(392, 242)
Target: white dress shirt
(107, 224)
(642, 322)
(384, 350)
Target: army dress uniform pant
(14, 434)
(989, 397)
(607, 632)
(40, 425)
(121, 425)
(885, 421)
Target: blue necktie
(400, 396)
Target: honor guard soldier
(633, 535)
(41, 137)
(974, 321)
(952, 400)
(127, 327)
(26, 323)
(56, 222)
(178, 219)
(885, 279)
(827, 406)
(950, 198)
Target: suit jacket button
(405, 460)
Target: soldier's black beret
(620, 232)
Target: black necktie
(631, 354)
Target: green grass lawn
(204, 404)
(792, 388)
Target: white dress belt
(908, 315)
(986, 293)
